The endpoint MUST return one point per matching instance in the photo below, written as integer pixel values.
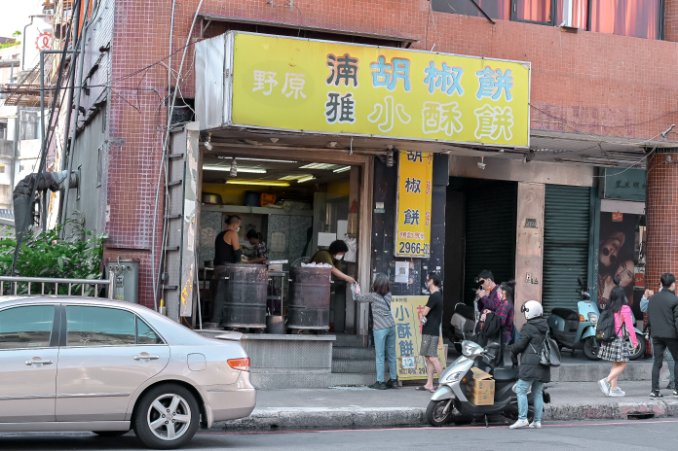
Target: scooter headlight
(453, 377)
(593, 317)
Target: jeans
(659, 346)
(522, 387)
(672, 370)
(384, 343)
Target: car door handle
(38, 362)
(146, 357)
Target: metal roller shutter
(566, 244)
(490, 232)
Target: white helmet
(532, 309)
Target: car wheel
(110, 433)
(166, 417)
(591, 347)
(439, 413)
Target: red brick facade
(586, 83)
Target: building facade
(600, 98)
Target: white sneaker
(617, 393)
(520, 424)
(604, 386)
(535, 425)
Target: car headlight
(453, 377)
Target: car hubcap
(169, 416)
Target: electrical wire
(156, 272)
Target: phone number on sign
(409, 248)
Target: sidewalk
(361, 407)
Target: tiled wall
(582, 82)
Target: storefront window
(496, 9)
(540, 11)
(638, 18)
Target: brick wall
(662, 194)
(582, 82)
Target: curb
(349, 417)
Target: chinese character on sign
(386, 75)
(294, 85)
(403, 331)
(411, 217)
(412, 185)
(492, 83)
(339, 108)
(428, 218)
(264, 81)
(447, 79)
(343, 68)
(415, 156)
(401, 313)
(493, 122)
(441, 117)
(385, 114)
(406, 348)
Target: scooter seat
(505, 374)
(565, 313)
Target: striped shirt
(381, 309)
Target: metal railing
(26, 286)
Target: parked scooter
(463, 324)
(577, 330)
(449, 402)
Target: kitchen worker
(333, 256)
(226, 250)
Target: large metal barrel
(309, 306)
(245, 291)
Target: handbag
(550, 354)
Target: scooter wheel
(439, 413)
(591, 347)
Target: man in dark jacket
(530, 374)
(662, 318)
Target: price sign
(413, 222)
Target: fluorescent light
(321, 166)
(256, 182)
(216, 167)
(295, 177)
(342, 169)
(266, 160)
(306, 179)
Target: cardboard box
(482, 388)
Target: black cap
(485, 274)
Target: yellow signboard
(406, 310)
(335, 88)
(413, 223)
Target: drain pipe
(35, 183)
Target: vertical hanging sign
(413, 221)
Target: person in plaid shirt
(260, 251)
(499, 300)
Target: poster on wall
(411, 365)
(618, 255)
(413, 213)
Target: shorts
(429, 345)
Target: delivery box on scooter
(481, 388)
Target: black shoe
(392, 383)
(655, 394)
(378, 386)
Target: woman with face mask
(333, 256)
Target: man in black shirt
(431, 316)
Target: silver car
(84, 364)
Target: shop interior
(299, 203)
